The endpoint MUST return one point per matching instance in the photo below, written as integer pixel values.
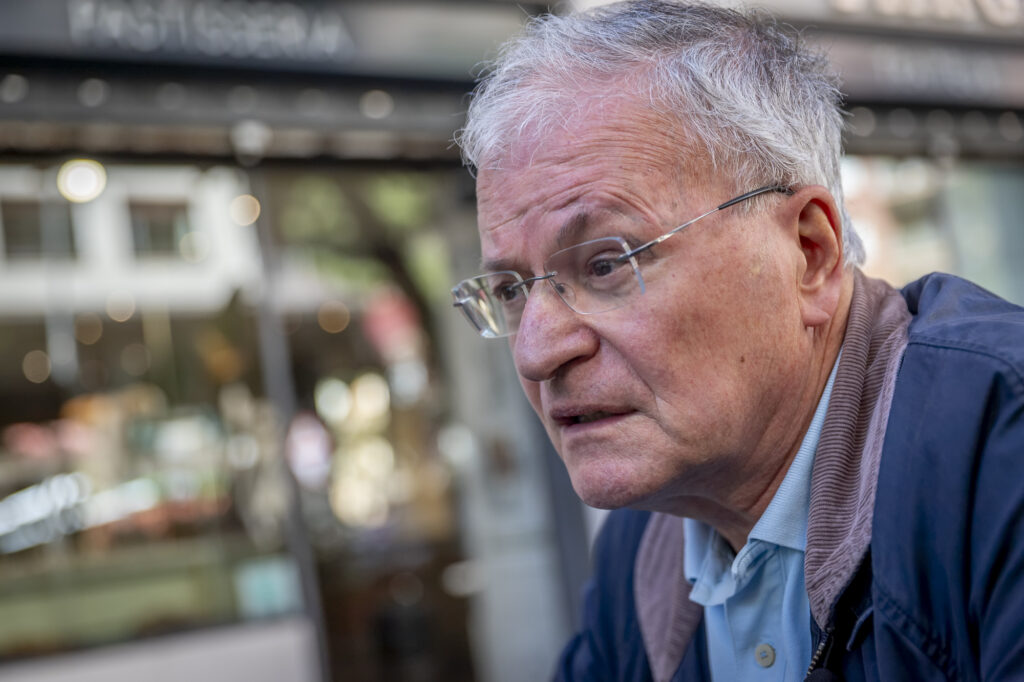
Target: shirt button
(764, 654)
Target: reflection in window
(33, 229)
(158, 228)
(148, 492)
(917, 215)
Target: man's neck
(735, 518)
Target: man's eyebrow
(569, 234)
(576, 228)
(497, 265)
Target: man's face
(682, 394)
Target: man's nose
(551, 335)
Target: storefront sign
(996, 13)
(967, 52)
(998, 19)
(909, 71)
(407, 38)
(211, 28)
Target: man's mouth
(590, 417)
(582, 415)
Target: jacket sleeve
(949, 593)
(609, 646)
(997, 537)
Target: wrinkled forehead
(620, 164)
(584, 127)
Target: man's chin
(605, 494)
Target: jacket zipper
(822, 645)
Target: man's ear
(818, 227)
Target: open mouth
(580, 415)
(591, 417)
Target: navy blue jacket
(941, 594)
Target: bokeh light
(333, 400)
(81, 180)
(88, 328)
(333, 317)
(371, 398)
(376, 104)
(36, 366)
(244, 209)
(120, 306)
(135, 359)
(13, 88)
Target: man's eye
(604, 265)
(507, 293)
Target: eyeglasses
(592, 277)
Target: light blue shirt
(756, 612)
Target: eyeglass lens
(592, 277)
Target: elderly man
(813, 471)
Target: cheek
(696, 346)
(682, 324)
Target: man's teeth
(592, 417)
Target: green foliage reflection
(400, 201)
(316, 210)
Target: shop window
(34, 229)
(141, 491)
(158, 228)
(917, 215)
(167, 490)
(169, 521)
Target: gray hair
(762, 105)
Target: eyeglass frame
(629, 255)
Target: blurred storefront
(935, 141)
(244, 435)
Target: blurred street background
(243, 434)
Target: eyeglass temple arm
(734, 200)
(762, 190)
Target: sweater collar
(845, 473)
